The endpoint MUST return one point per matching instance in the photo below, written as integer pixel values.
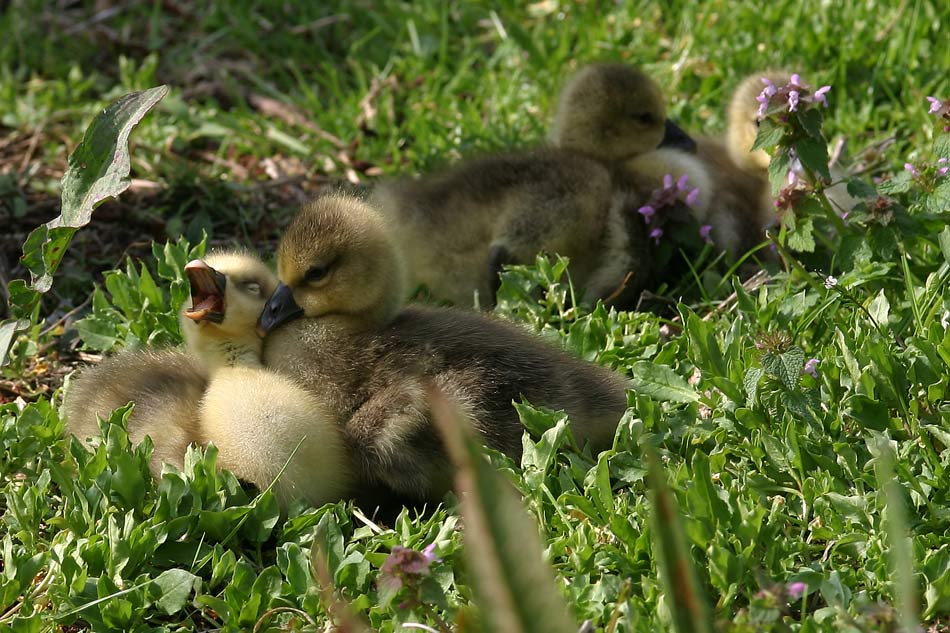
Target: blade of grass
(515, 586)
(687, 604)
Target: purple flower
(693, 196)
(681, 183)
(942, 171)
(765, 96)
(795, 590)
(909, 167)
(940, 107)
(656, 234)
(791, 96)
(811, 367)
(647, 212)
(668, 181)
(405, 566)
(704, 232)
(429, 553)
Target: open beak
(207, 292)
(280, 308)
(676, 137)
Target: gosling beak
(207, 292)
(676, 137)
(280, 308)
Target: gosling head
(743, 120)
(615, 112)
(336, 261)
(228, 293)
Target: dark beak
(676, 137)
(280, 308)
(207, 292)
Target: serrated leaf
(751, 383)
(810, 120)
(814, 155)
(802, 237)
(662, 383)
(174, 587)
(858, 188)
(938, 201)
(768, 136)
(785, 367)
(901, 183)
(942, 146)
(778, 171)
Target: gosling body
(379, 366)
(165, 386)
(458, 228)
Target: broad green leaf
(751, 383)
(662, 383)
(900, 183)
(778, 171)
(811, 123)
(99, 167)
(786, 367)
(879, 309)
(768, 136)
(174, 587)
(514, 586)
(703, 344)
(938, 201)
(942, 146)
(802, 238)
(860, 189)
(944, 239)
(7, 331)
(814, 155)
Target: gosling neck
(217, 351)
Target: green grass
(839, 481)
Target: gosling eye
(316, 273)
(252, 287)
(646, 118)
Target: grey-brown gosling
(336, 324)
(733, 197)
(457, 228)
